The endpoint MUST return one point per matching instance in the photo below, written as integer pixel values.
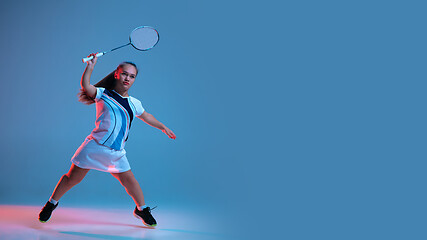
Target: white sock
(141, 207)
(53, 201)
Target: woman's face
(125, 76)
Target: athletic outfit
(103, 149)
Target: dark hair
(108, 82)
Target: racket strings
(144, 38)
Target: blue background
(295, 120)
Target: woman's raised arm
(88, 88)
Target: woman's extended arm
(152, 121)
(85, 82)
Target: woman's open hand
(169, 132)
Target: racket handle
(91, 57)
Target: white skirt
(92, 155)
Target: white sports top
(114, 115)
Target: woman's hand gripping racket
(141, 38)
(93, 59)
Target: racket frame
(130, 39)
(129, 43)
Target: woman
(103, 149)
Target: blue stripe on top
(113, 118)
(123, 101)
(117, 134)
(119, 139)
(117, 144)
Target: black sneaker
(45, 213)
(145, 216)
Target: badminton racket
(141, 38)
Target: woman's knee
(73, 179)
(128, 180)
(76, 174)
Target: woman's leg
(127, 179)
(69, 180)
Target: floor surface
(21, 222)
